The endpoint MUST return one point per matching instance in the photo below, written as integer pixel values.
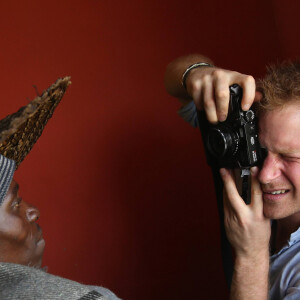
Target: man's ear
(258, 96)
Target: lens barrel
(222, 142)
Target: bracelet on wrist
(190, 68)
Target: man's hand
(248, 230)
(209, 88)
(249, 234)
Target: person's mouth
(275, 194)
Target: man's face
(21, 239)
(280, 174)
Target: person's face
(21, 239)
(280, 173)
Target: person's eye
(291, 158)
(16, 204)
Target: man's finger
(249, 87)
(228, 210)
(233, 196)
(197, 94)
(256, 192)
(209, 102)
(221, 89)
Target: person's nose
(270, 169)
(32, 213)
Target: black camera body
(233, 143)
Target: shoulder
(285, 273)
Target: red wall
(125, 195)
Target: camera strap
(218, 183)
(245, 191)
(227, 258)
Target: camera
(233, 143)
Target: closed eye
(291, 158)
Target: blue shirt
(285, 265)
(189, 113)
(285, 270)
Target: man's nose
(270, 169)
(32, 213)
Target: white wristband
(191, 67)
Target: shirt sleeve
(189, 113)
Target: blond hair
(280, 85)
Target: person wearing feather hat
(21, 239)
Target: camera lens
(222, 142)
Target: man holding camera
(267, 263)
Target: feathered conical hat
(20, 131)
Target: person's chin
(274, 212)
(275, 206)
(39, 253)
(41, 244)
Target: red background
(125, 195)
